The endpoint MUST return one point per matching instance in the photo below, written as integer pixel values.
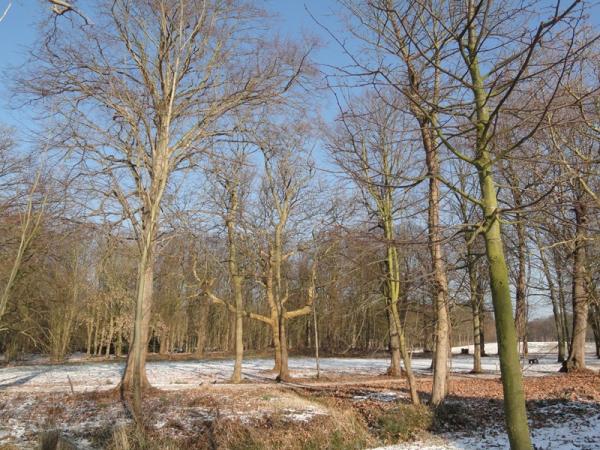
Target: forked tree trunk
(515, 412)
(406, 358)
(562, 298)
(392, 291)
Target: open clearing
(192, 396)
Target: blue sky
(18, 32)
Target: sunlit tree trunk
(512, 380)
(576, 359)
(442, 316)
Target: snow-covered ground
(84, 376)
(572, 426)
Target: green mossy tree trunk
(512, 381)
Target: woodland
(197, 188)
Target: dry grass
(260, 416)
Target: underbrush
(340, 431)
(332, 420)
(402, 423)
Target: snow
(569, 426)
(87, 376)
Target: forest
(238, 224)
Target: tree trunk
(406, 358)
(515, 411)
(110, 337)
(576, 359)
(394, 346)
(90, 330)
(316, 330)
(521, 294)
(475, 308)
(558, 265)
(276, 342)
(163, 347)
(512, 380)
(442, 317)
(119, 346)
(284, 371)
(239, 329)
(595, 323)
(96, 331)
(134, 378)
(481, 314)
(392, 290)
(201, 328)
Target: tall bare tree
(372, 147)
(284, 201)
(230, 175)
(484, 64)
(144, 91)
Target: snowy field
(85, 376)
(26, 390)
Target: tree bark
(394, 345)
(521, 288)
(134, 378)
(284, 371)
(512, 380)
(442, 316)
(239, 328)
(576, 359)
(595, 323)
(110, 337)
(393, 295)
(476, 301)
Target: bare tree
(573, 136)
(143, 92)
(29, 219)
(408, 72)
(231, 178)
(483, 64)
(283, 196)
(369, 146)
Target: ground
(352, 405)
